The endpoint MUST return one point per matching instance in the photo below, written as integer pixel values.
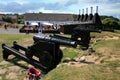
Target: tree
(20, 19)
(103, 17)
(7, 19)
(110, 23)
(75, 17)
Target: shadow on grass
(86, 62)
(15, 62)
(72, 60)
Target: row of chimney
(89, 17)
(87, 10)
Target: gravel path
(9, 31)
(12, 31)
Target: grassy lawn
(5, 69)
(89, 72)
(9, 38)
(106, 65)
(107, 48)
(117, 31)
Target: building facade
(47, 17)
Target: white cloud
(106, 7)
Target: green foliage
(75, 17)
(20, 19)
(7, 19)
(110, 23)
(103, 17)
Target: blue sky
(106, 7)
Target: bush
(110, 23)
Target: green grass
(20, 25)
(110, 43)
(68, 52)
(89, 72)
(107, 70)
(113, 64)
(104, 33)
(117, 31)
(105, 59)
(9, 38)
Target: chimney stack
(82, 11)
(79, 11)
(91, 9)
(96, 9)
(86, 10)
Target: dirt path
(9, 31)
